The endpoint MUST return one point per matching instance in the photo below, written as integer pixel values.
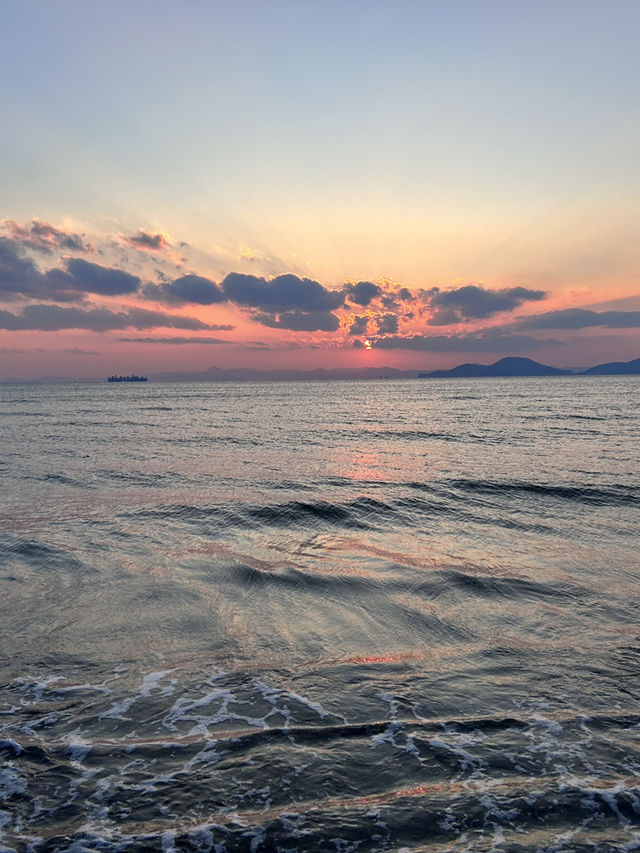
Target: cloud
(359, 324)
(362, 292)
(282, 293)
(188, 288)
(387, 324)
(44, 237)
(176, 340)
(300, 321)
(146, 242)
(65, 350)
(471, 302)
(391, 298)
(53, 318)
(489, 341)
(94, 278)
(580, 318)
(20, 276)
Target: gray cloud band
(54, 318)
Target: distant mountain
(249, 374)
(614, 368)
(511, 366)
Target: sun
(368, 344)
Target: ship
(132, 378)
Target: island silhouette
(510, 366)
(516, 366)
(614, 368)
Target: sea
(320, 616)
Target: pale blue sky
(232, 112)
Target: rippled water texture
(320, 616)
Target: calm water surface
(320, 616)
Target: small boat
(132, 378)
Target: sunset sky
(317, 184)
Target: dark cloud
(392, 298)
(580, 318)
(188, 288)
(94, 278)
(387, 324)
(283, 293)
(362, 292)
(20, 276)
(176, 340)
(359, 325)
(146, 242)
(44, 237)
(475, 303)
(53, 318)
(300, 321)
(489, 341)
(445, 317)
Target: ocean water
(320, 616)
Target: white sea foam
(78, 748)
(152, 681)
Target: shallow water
(320, 616)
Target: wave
(398, 510)
(595, 495)
(525, 781)
(38, 556)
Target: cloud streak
(489, 341)
(52, 318)
(177, 341)
(580, 318)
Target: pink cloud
(44, 237)
(146, 242)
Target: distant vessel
(132, 378)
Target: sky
(317, 184)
